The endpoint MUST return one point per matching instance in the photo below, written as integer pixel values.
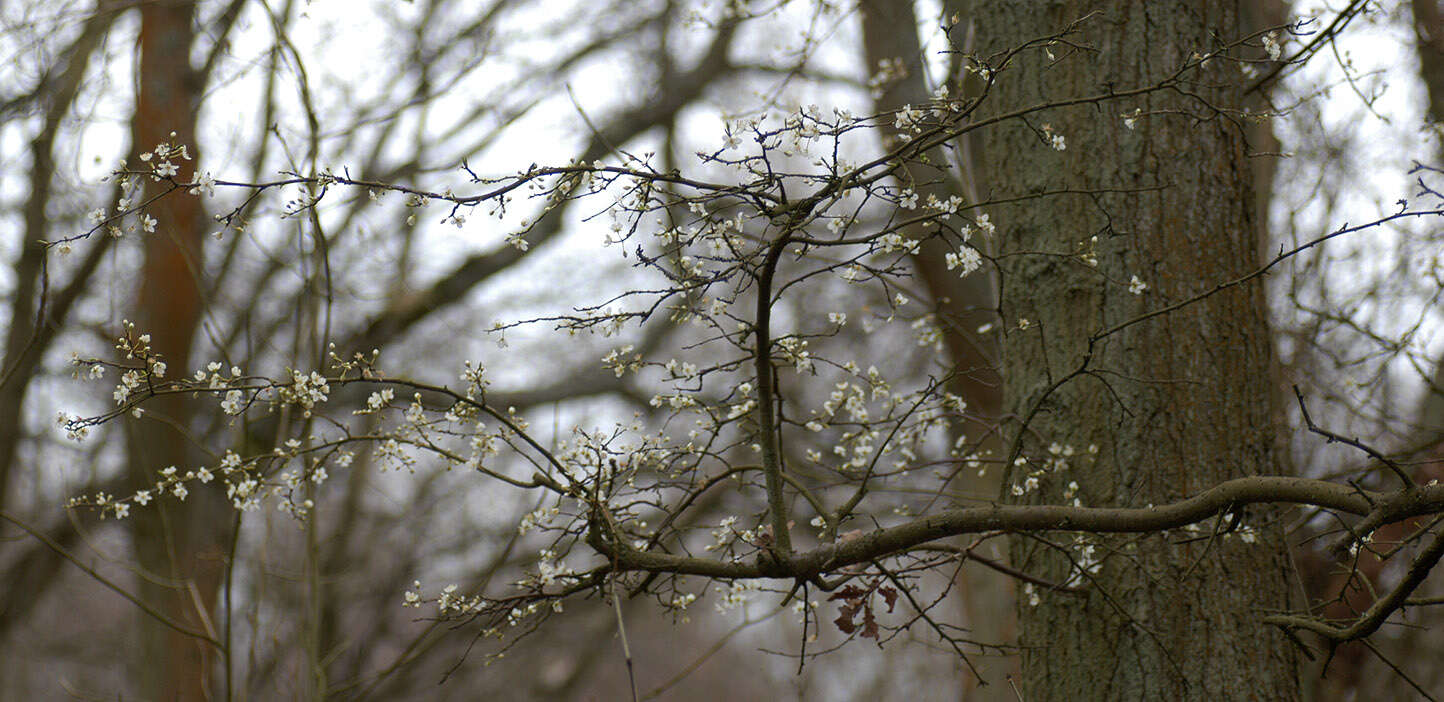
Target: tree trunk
(24, 350)
(966, 306)
(179, 544)
(1174, 404)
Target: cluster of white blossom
(242, 484)
(1055, 461)
(889, 70)
(305, 390)
(622, 360)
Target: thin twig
(151, 611)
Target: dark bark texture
(1174, 404)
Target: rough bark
(1174, 404)
(1263, 144)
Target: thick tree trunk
(1174, 404)
(179, 544)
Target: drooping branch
(1226, 497)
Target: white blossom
(205, 184)
(966, 258)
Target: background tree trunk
(966, 307)
(1174, 404)
(180, 544)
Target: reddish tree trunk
(178, 543)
